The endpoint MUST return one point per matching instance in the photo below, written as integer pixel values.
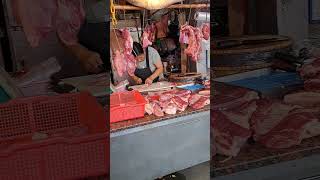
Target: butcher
(149, 65)
(91, 49)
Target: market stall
(266, 110)
(156, 126)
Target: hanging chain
(113, 13)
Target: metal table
(160, 148)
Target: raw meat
(38, 18)
(206, 31)
(171, 109)
(128, 45)
(181, 104)
(182, 93)
(296, 126)
(229, 98)
(119, 63)
(268, 115)
(304, 99)
(205, 92)
(231, 128)
(202, 102)
(310, 70)
(162, 26)
(157, 111)
(148, 35)
(312, 85)
(193, 99)
(191, 36)
(148, 108)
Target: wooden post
(184, 58)
(237, 11)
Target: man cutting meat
(149, 68)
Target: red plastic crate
(126, 105)
(55, 157)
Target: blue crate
(270, 82)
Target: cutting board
(158, 86)
(96, 84)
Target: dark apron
(93, 36)
(144, 73)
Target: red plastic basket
(126, 105)
(55, 157)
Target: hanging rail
(174, 6)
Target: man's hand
(138, 80)
(92, 62)
(149, 81)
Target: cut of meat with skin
(148, 36)
(304, 99)
(128, 45)
(228, 137)
(206, 31)
(312, 85)
(310, 70)
(182, 93)
(233, 98)
(119, 63)
(157, 111)
(39, 18)
(296, 126)
(193, 99)
(231, 128)
(181, 104)
(268, 115)
(170, 109)
(201, 103)
(191, 36)
(148, 109)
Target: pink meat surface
(201, 103)
(148, 36)
(312, 85)
(206, 31)
(181, 104)
(304, 99)
(296, 126)
(191, 36)
(193, 99)
(268, 115)
(171, 109)
(148, 109)
(310, 70)
(228, 98)
(231, 128)
(38, 18)
(128, 45)
(119, 63)
(157, 111)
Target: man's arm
(158, 71)
(90, 60)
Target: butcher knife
(230, 43)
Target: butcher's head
(138, 52)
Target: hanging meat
(191, 36)
(119, 63)
(162, 26)
(128, 56)
(153, 4)
(38, 18)
(206, 31)
(148, 35)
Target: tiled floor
(199, 172)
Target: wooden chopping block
(184, 77)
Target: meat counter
(254, 160)
(152, 147)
